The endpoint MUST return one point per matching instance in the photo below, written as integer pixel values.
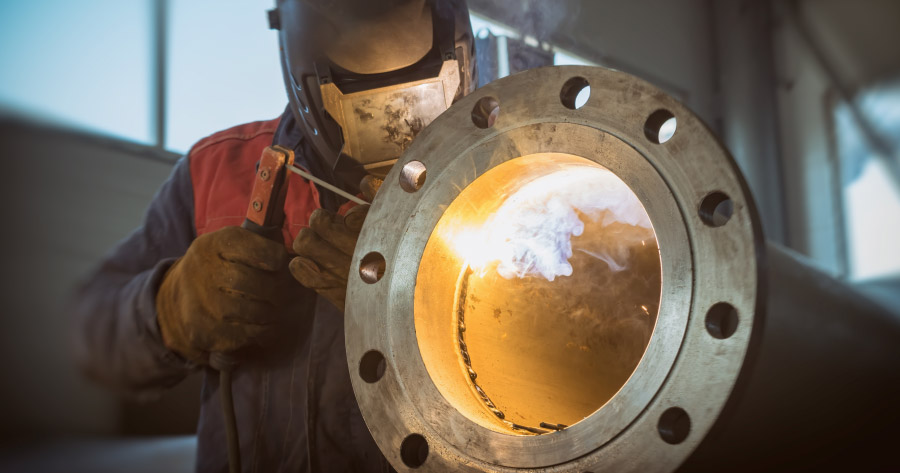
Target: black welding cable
(225, 365)
(231, 434)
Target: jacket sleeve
(117, 339)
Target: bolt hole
(486, 111)
(372, 366)
(412, 176)
(575, 93)
(716, 209)
(660, 126)
(414, 451)
(722, 320)
(674, 425)
(371, 268)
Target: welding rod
(308, 176)
(550, 426)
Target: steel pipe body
(822, 390)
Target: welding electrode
(336, 190)
(265, 217)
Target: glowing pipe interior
(537, 293)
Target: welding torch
(265, 217)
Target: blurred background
(98, 98)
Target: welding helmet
(363, 77)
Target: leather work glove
(325, 248)
(227, 293)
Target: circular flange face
(708, 235)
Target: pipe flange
(709, 238)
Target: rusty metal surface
(684, 365)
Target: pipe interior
(510, 340)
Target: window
(223, 68)
(871, 181)
(563, 58)
(94, 65)
(79, 63)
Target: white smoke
(531, 233)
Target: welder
(362, 77)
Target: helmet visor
(379, 124)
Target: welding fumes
(531, 233)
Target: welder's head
(365, 76)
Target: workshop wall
(70, 197)
(668, 43)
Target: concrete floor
(136, 455)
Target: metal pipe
(822, 391)
(756, 361)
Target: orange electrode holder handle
(265, 214)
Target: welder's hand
(325, 250)
(369, 186)
(227, 293)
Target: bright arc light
(530, 233)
